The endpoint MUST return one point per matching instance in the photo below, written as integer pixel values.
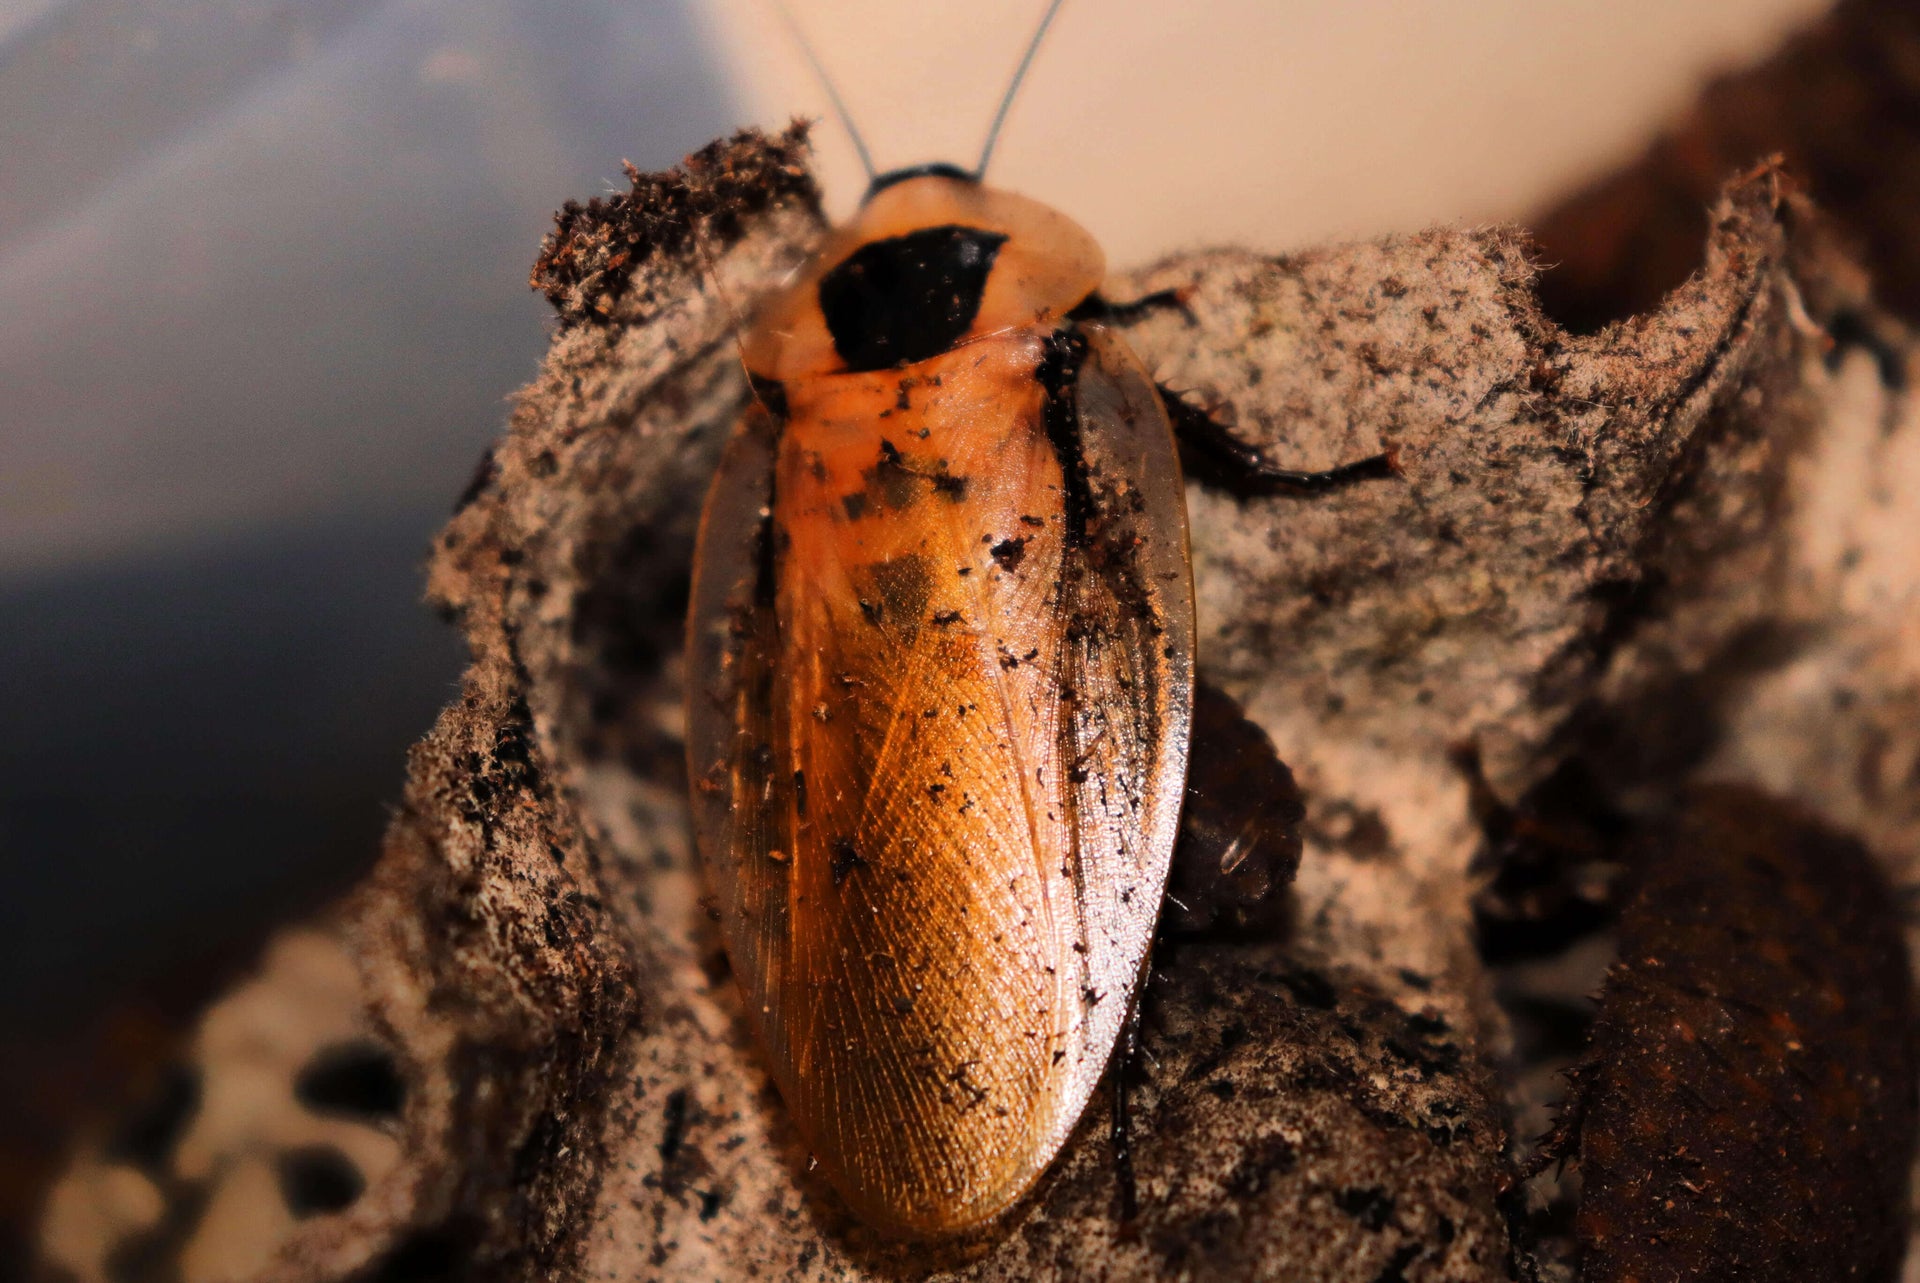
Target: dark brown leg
(1097, 308)
(1215, 455)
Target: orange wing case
(941, 654)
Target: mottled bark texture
(1588, 541)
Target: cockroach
(941, 674)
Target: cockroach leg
(1239, 831)
(1125, 1060)
(1212, 453)
(1098, 308)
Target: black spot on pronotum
(318, 1179)
(352, 1078)
(147, 1135)
(905, 299)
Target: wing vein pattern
(941, 676)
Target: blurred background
(263, 296)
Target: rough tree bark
(1673, 549)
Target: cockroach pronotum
(941, 669)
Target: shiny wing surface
(940, 814)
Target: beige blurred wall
(1163, 125)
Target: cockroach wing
(732, 643)
(941, 674)
(1127, 693)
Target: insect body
(941, 653)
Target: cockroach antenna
(826, 82)
(1019, 74)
